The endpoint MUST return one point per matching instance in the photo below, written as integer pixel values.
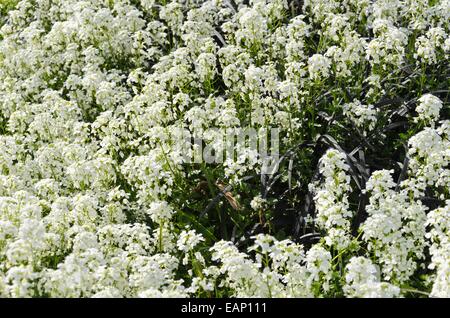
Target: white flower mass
(96, 201)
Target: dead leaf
(228, 195)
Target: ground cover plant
(96, 199)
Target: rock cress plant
(97, 201)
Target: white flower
(429, 46)
(188, 240)
(160, 211)
(318, 265)
(257, 203)
(318, 67)
(331, 199)
(428, 109)
(362, 281)
(395, 228)
(438, 222)
(206, 66)
(361, 115)
(95, 195)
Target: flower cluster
(362, 281)
(333, 213)
(439, 222)
(395, 228)
(428, 109)
(96, 199)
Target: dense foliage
(95, 200)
